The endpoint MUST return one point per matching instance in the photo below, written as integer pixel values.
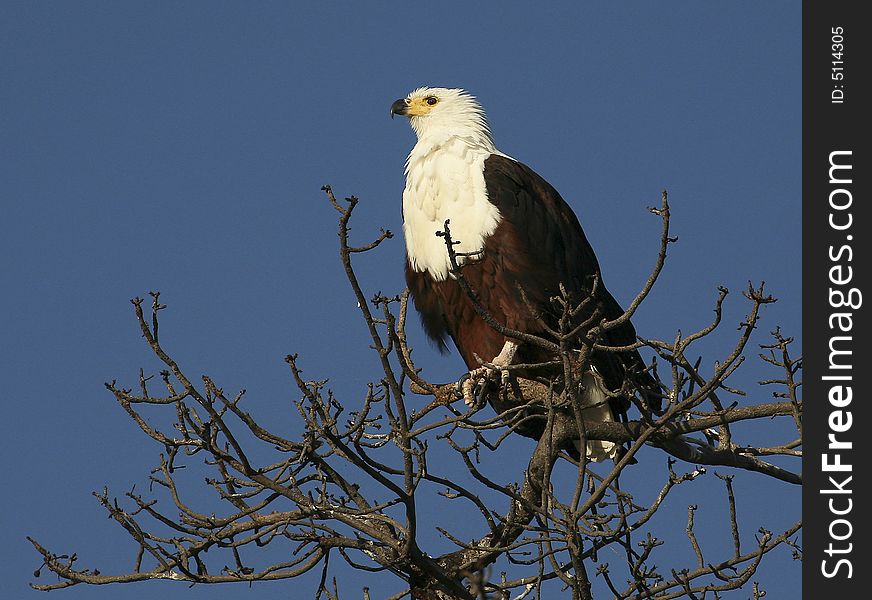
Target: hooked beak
(400, 107)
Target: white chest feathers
(446, 182)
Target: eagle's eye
(431, 100)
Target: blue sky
(181, 147)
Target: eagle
(520, 246)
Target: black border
(827, 127)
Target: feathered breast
(446, 182)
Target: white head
(440, 113)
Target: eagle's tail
(596, 407)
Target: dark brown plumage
(537, 245)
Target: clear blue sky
(180, 147)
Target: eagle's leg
(502, 360)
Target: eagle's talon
(469, 386)
(459, 385)
(472, 384)
(504, 377)
(460, 388)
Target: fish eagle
(518, 243)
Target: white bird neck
(434, 132)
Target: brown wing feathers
(538, 244)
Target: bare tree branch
(347, 492)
